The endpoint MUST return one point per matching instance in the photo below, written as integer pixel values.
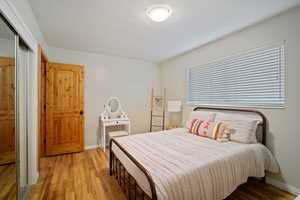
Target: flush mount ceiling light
(159, 13)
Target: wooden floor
(85, 176)
(7, 182)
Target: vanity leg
(128, 129)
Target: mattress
(185, 166)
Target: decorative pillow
(209, 129)
(194, 126)
(203, 115)
(242, 129)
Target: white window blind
(255, 78)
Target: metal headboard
(263, 123)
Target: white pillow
(203, 115)
(243, 128)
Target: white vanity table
(113, 116)
(112, 122)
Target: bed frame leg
(263, 179)
(115, 167)
(120, 173)
(135, 189)
(124, 179)
(129, 187)
(110, 163)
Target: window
(254, 79)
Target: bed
(176, 165)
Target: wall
(7, 48)
(106, 76)
(283, 138)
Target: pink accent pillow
(208, 129)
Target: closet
(14, 65)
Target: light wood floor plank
(85, 176)
(8, 182)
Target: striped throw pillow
(208, 129)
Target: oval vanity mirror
(113, 106)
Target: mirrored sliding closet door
(8, 171)
(13, 114)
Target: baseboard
(87, 147)
(283, 186)
(36, 178)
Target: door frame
(42, 57)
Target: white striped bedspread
(186, 167)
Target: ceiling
(121, 27)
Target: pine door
(64, 108)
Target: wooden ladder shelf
(157, 113)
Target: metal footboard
(127, 182)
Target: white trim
(9, 11)
(88, 147)
(33, 116)
(283, 186)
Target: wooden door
(64, 108)
(7, 110)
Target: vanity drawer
(117, 122)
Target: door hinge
(45, 141)
(45, 107)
